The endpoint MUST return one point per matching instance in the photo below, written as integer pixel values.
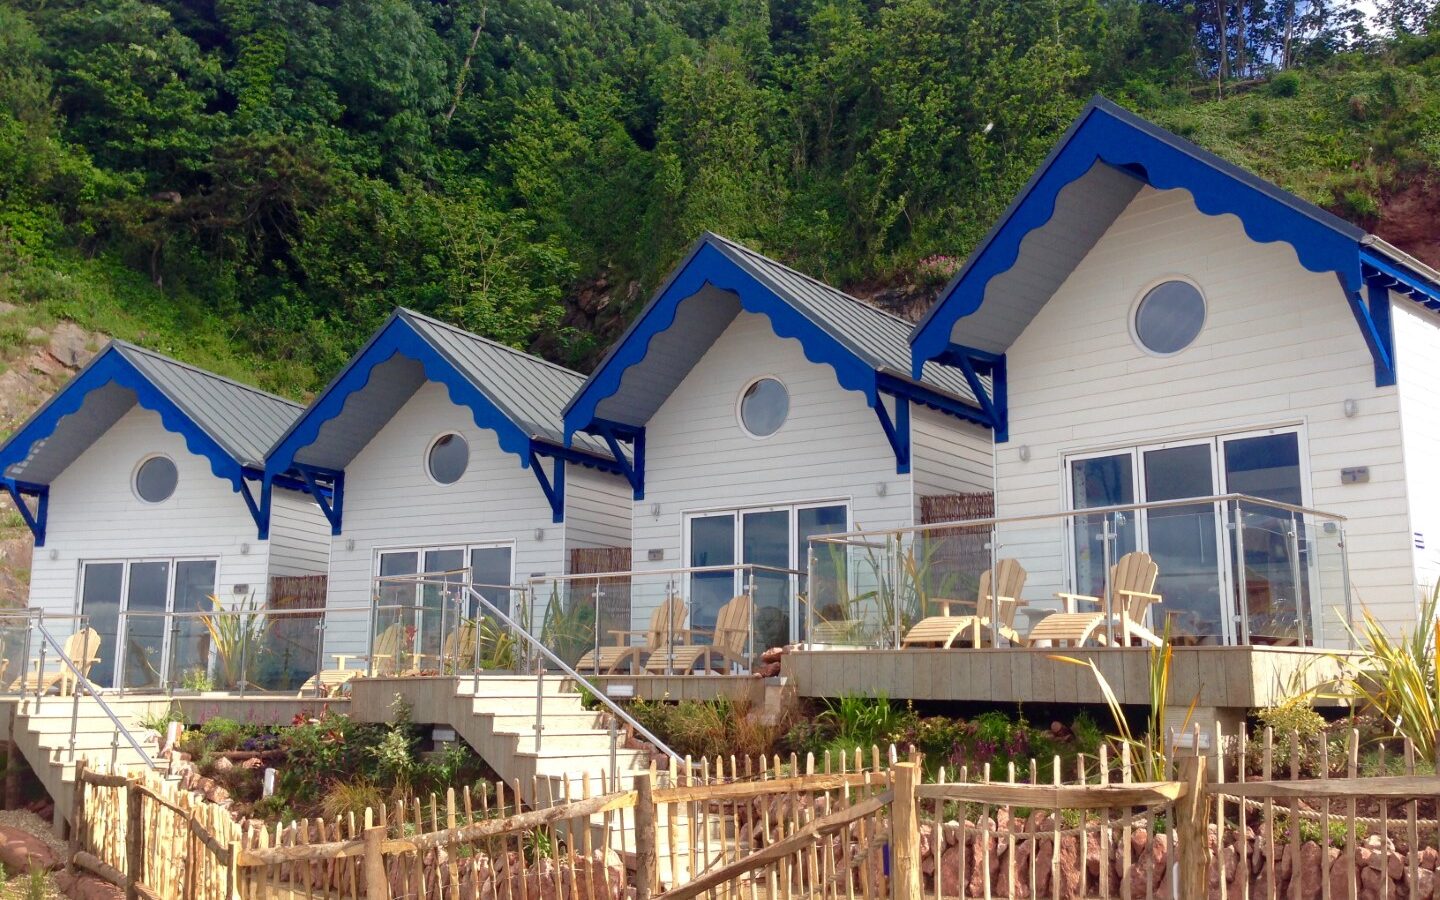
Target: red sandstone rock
(20, 852)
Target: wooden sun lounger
(621, 656)
(994, 614)
(82, 649)
(1132, 581)
(728, 650)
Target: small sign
(443, 735)
(655, 554)
(267, 787)
(1355, 475)
(623, 691)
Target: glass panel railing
(435, 624)
(666, 621)
(1211, 570)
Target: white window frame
(737, 531)
(1216, 441)
(124, 605)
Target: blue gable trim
(707, 266)
(1106, 133)
(398, 338)
(395, 338)
(111, 367)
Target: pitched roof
(517, 395)
(1107, 154)
(716, 280)
(231, 423)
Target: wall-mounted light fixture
(655, 510)
(539, 534)
(881, 489)
(1023, 452)
(1352, 408)
(54, 555)
(350, 544)
(244, 549)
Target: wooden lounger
(1132, 581)
(666, 622)
(731, 634)
(994, 614)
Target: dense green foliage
(255, 183)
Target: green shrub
(223, 734)
(1285, 84)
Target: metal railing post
(372, 626)
(74, 717)
(1242, 588)
(810, 583)
(319, 654)
(1294, 541)
(1107, 552)
(114, 750)
(244, 656)
(1345, 585)
(40, 678)
(750, 636)
(614, 751)
(670, 628)
(595, 597)
(539, 703)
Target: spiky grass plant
(1150, 751)
(1393, 676)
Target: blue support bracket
(897, 431)
(327, 486)
(259, 507)
(1372, 314)
(36, 518)
(994, 403)
(552, 485)
(613, 433)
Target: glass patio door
(102, 590)
(145, 650)
(1270, 553)
(1184, 541)
(1099, 481)
(765, 541)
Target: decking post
(377, 886)
(77, 813)
(905, 833)
(134, 840)
(1191, 831)
(646, 856)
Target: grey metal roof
(879, 338)
(528, 391)
(531, 391)
(244, 420)
(241, 420)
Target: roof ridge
(127, 345)
(816, 281)
(489, 341)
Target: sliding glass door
(1216, 587)
(425, 610)
(139, 646)
(776, 537)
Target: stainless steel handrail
(571, 673)
(838, 537)
(90, 689)
(684, 570)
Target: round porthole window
(1169, 317)
(155, 479)
(448, 458)
(764, 404)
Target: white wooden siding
(948, 455)
(1279, 346)
(299, 535)
(1417, 349)
(95, 515)
(390, 502)
(597, 509)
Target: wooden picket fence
(143, 833)
(1311, 825)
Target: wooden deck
(1215, 677)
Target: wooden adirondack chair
(82, 649)
(994, 614)
(666, 622)
(729, 646)
(1132, 585)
